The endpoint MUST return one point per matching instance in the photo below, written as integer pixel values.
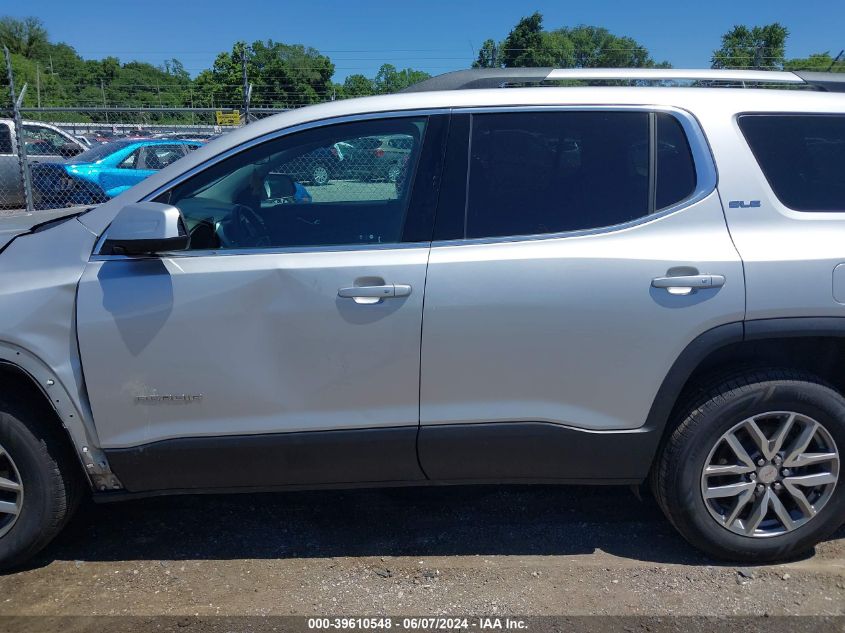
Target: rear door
(551, 314)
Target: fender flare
(78, 425)
(721, 336)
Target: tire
(43, 464)
(320, 174)
(711, 421)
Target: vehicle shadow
(423, 521)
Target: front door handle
(685, 284)
(374, 294)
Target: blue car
(103, 171)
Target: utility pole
(158, 90)
(757, 56)
(103, 91)
(38, 82)
(245, 86)
(16, 113)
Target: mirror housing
(279, 186)
(143, 228)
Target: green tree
(596, 47)
(26, 37)
(357, 86)
(528, 45)
(758, 47)
(525, 45)
(820, 62)
(488, 55)
(388, 79)
(283, 75)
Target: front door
(283, 348)
(591, 250)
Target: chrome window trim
(352, 118)
(705, 169)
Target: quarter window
(344, 184)
(802, 157)
(549, 172)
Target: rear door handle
(685, 284)
(374, 293)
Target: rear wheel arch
(812, 344)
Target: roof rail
(501, 77)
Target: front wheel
(39, 486)
(751, 470)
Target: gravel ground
(496, 550)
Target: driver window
(345, 184)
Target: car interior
(250, 202)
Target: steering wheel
(248, 227)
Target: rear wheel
(39, 482)
(751, 471)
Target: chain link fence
(82, 156)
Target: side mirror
(146, 227)
(70, 149)
(279, 186)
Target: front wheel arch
(45, 388)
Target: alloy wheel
(320, 175)
(770, 474)
(11, 492)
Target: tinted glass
(675, 168)
(546, 172)
(802, 157)
(160, 156)
(335, 185)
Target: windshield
(98, 152)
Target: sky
(433, 35)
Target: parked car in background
(44, 143)
(103, 171)
(375, 157)
(317, 166)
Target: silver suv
(562, 285)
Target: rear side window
(802, 157)
(676, 177)
(548, 172)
